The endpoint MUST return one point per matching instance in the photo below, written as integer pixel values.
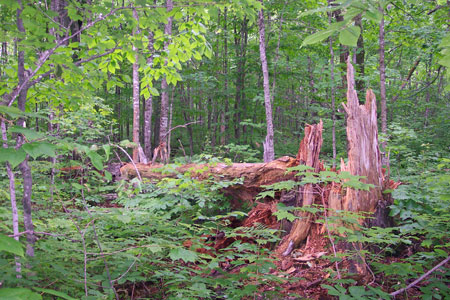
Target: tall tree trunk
(428, 94)
(277, 56)
(382, 78)
(12, 196)
(333, 91)
(136, 97)
(360, 55)
(269, 152)
(164, 121)
(240, 44)
(148, 110)
(24, 167)
(224, 111)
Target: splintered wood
(363, 152)
(308, 154)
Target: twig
(421, 277)
(178, 126)
(128, 270)
(182, 148)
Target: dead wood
(308, 154)
(254, 175)
(364, 157)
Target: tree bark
(224, 111)
(269, 152)
(12, 196)
(148, 110)
(360, 53)
(333, 93)
(164, 115)
(382, 78)
(24, 167)
(240, 44)
(136, 96)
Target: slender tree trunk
(12, 196)
(277, 56)
(136, 97)
(428, 94)
(269, 152)
(170, 126)
(24, 167)
(382, 79)
(359, 55)
(240, 44)
(224, 111)
(333, 91)
(164, 121)
(148, 110)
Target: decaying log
(255, 175)
(308, 154)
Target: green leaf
(13, 112)
(321, 35)
(96, 159)
(107, 149)
(155, 248)
(36, 149)
(19, 294)
(54, 293)
(284, 214)
(153, 91)
(349, 36)
(318, 36)
(13, 156)
(374, 16)
(131, 57)
(10, 245)
(357, 291)
(29, 134)
(183, 254)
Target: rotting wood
(364, 157)
(254, 175)
(308, 154)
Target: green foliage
(10, 245)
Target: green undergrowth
(157, 239)
(160, 236)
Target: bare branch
(421, 277)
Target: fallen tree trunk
(254, 175)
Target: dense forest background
(86, 85)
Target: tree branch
(421, 277)
(9, 99)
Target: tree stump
(308, 154)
